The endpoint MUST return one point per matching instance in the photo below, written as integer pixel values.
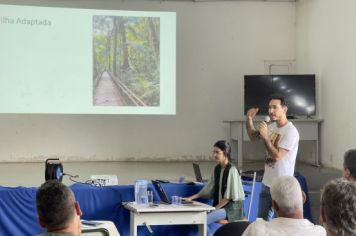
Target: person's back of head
(57, 209)
(287, 196)
(338, 207)
(350, 165)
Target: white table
(309, 129)
(168, 215)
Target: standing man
(281, 140)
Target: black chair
(232, 229)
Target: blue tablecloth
(18, 214)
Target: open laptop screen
(162, 194)
(197, 172)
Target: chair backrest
(249, 189)
(232, 229)
(95, 232)
(103, 228)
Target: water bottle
(141, 192)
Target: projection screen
(85, 61)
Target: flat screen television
(299, 91)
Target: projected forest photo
(126, 61)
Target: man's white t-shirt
(284, 226)
(286, 137)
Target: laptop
(197, 173)
(163, 195)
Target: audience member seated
(338, 208)
(58, 212)
(225, 187)
(349, 172)
(287, 201)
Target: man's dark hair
(279, 97)
(350, 162)
(55, 203)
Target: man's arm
(275, 153)
(253, 134)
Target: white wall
(217, 43)
(326, 45)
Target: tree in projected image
(126, 59)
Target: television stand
(309, 129)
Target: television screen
(258, 88)
(299, 91)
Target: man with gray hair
(349, 172)
(287, 200)
(58, 212)
(338, 208)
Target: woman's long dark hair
(224, 146)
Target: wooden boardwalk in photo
(106, 92)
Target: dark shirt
(57, 234)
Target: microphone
(267, 119)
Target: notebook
(163, 195)
(197, 173)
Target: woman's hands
(187, 199)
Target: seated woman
(224, 187)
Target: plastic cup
(176, 200)
(181, 179)
(144, 200)
(150, 197)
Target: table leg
(133, 224)
(203, 229)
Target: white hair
(287, 193)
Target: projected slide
(126, 61)
(83, 61)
